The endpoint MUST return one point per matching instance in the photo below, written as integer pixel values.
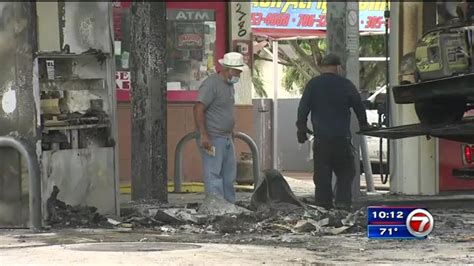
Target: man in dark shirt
(329, 98)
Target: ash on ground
(217, 216)
(62, 215)
(273, 209)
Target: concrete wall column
(414, 159)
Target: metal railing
(35, 178)
(178, 158)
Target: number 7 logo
(424, 221)
(420, 223)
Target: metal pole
(35, 178)
(178, 160)
(384, 177)
(393, 71)
(255, 162)
(369, 178)
(265, 133)
(276, 82)
(343, 39)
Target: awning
(291, 34)
(286, 34)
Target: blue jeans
(220, 170)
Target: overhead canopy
(285, 34)
(297, 19)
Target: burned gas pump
(74, 114)
(58, 93)
(75, 83)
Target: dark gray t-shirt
(218, 97)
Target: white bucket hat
(233, 60)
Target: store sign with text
(189, 36)
(241, 36)
(306, 15)
(122, 85)
(190, 15)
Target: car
(373, 143)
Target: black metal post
(384, 176)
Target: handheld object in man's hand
(211, 151)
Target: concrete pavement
(149, 253)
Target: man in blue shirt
(329, 97)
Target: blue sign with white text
(389, 222)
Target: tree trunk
(148, 77)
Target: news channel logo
(385, 222)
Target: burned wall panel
(18, 110)
(48, 30)
(85, 25)
(82, 175)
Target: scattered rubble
(137, 221)
(168, 217)
(216, 206)
(304, 226)
(62, 215)
(113, 222)
(339, 230)
(276, 213)
(216, 215)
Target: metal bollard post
(35, 178)
(178, 158)
(255, 156)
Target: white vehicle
(373, 143)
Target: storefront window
(191, 47)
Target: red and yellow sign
(308, 15)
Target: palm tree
(301, 62)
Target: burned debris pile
(62, 215)
(272, 210)
(216, 216)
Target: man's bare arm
(199, 110)
(199, 119)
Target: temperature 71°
(389, 231)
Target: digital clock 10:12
(380, 214)
(387, 214)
